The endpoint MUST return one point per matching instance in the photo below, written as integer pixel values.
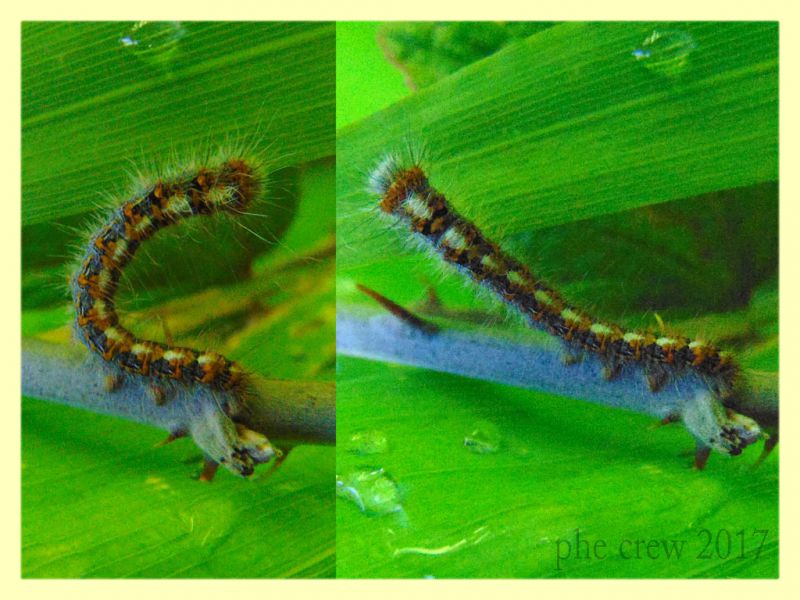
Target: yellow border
(14, 587)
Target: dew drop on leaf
(666, 52)
(368, 442)
(371, 489)
(154, 42)
(483, 439)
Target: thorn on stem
(769, 446)
(668, 420)
(280, 456)
(175, 435)
(398, 311)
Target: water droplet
(371, 489)
(369, 442)
(154, 42)
(666, 52)
(484, 438)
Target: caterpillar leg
(715, 426)
(210, 466)
(112, 382)
(701, 454)
(656, 377)
(571, 356)
(280, 456)
(232, 445)
(611, 369)
(159, 394)
(209, 470)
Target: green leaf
(427, 52)
(365, 82)
(560, 465)
(99, 501)
(567, 125)
(95, 109)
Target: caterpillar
(405, 193)
(221, 185)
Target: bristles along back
(229, 186)
(406, 193)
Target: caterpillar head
(237, 183)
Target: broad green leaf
(97, 107)
(559, 465)
(364, 80)
(427, 52)
(568, 125)
(99, 501)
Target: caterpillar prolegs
(406, 194)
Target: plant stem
(287, 412)
(536, 362)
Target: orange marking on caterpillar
(228, 186)
(406, 193)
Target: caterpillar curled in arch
(227, 184)
(406, 194)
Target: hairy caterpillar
(406, 194)
(226, 184)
